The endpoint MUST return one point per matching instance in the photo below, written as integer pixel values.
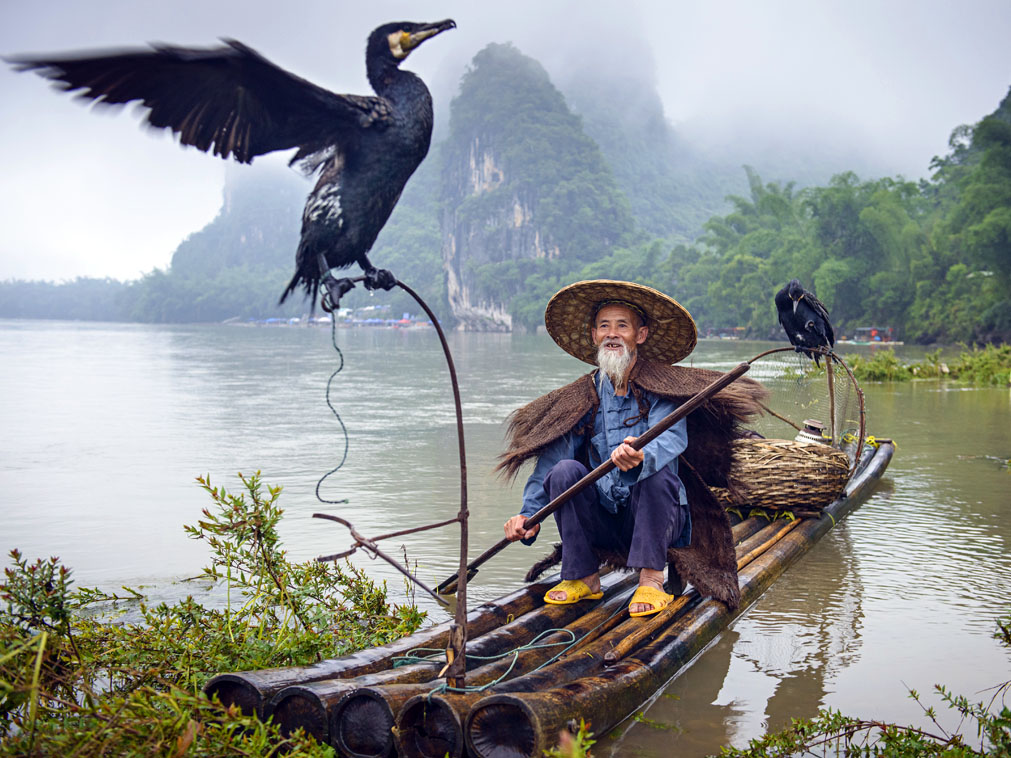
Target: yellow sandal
(649, 596)
(575, 590)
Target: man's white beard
(614, 363)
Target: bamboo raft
(367, 707)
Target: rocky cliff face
(524, 191)
(493, 224)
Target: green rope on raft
(435, 655)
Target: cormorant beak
(795, 304)
(430, 30)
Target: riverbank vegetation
(84, 672)
(986, 366)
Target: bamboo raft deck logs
(533, 669)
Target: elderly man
(640, 509)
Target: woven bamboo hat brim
(569, 315)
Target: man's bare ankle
(651, 578)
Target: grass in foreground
(77, 680)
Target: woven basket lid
(568, 318)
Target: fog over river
(106, 426)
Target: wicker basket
(784, 475)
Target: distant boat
(871, 335)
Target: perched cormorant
(804, 318)
(233, 102)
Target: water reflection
(774, 665)
(901, 595)
(106, 426)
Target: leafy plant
(883, 366)
(573, 745)
(989, 365)
(75, 679)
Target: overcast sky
(87, 193)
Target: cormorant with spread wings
(234, 103)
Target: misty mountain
(672, 189)
(525, 191)
(258, 224)
(533, 186)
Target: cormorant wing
(229, 100)
(821, 310)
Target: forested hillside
(931, 259)
(531, 190)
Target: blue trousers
(651, 521)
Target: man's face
(616, 327)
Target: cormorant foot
(335, 290)
(379, 279)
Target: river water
(105, 427)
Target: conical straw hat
(569, 316)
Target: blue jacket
(609, 431)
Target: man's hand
(625, 456)
(514, 529)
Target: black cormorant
(804, 318)
(233, 102)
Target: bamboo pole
(830, 373)
(252, 690)
(433, 726)
(753, 552)
(370, 710)
(747, 528)
(315, 705)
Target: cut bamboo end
(361, 725)
(232, 690)
(430, 727)
(504, 725)
(301, 710)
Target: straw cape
(569, 316)
(708, 562)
